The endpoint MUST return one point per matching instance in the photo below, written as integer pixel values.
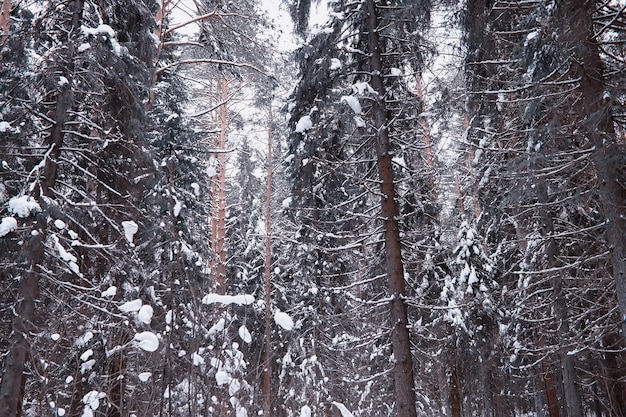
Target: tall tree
(352, 146)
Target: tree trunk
(455, 392)
(551, 396)
(615, 387)
(5, 22)
(13, 378)
(403, 368)
(267, 388)
(573, 401)
(575, 17)
(218, 228)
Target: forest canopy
(312, 208)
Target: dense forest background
(404, 208)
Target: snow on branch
(205, 16)
(241, 299)
(212, 61)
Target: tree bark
(455, 392)
(13, 377)
(551, 395)
(5, 22)
(218, 228)
(575, 17)
(267, 387)
(573, 401)
(403, 363)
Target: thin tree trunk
(267, 387)
(159, 33)
(218, 227)
(403, 367)
(455, 392)
(551, 395)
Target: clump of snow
(305, 123)
(107, 31)
(287, 202)
(92, 402)
(86, 355)
(217, 327)
(130, 228)
(240, 411)
(395, 72)
(335, 64)
(55, 336)
(359, 121)
(82, 341)
(342, 408)
(234, 386)
(147, 341)
(222, 378)
(63, 81)
(305, 411)
(131, 306)
(196, 359)
(241, 299)
(87, 366)
(23, 206)
(145, 313)
(283, 320)
(361, 87)
(178, 206)
(5, 126)
(196, 188)
(244, 334)
(59, 224)
(109, 292)
(65, 255)
(144, 376)
(7, 225)
(353, 102)
(83, 47)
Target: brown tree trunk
(575, 17)
(455, 392)
(159, 33)
(13, 377)
(403, 367)
(551, 395)
(616, 387)
(5, 22)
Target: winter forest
(296, 208)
